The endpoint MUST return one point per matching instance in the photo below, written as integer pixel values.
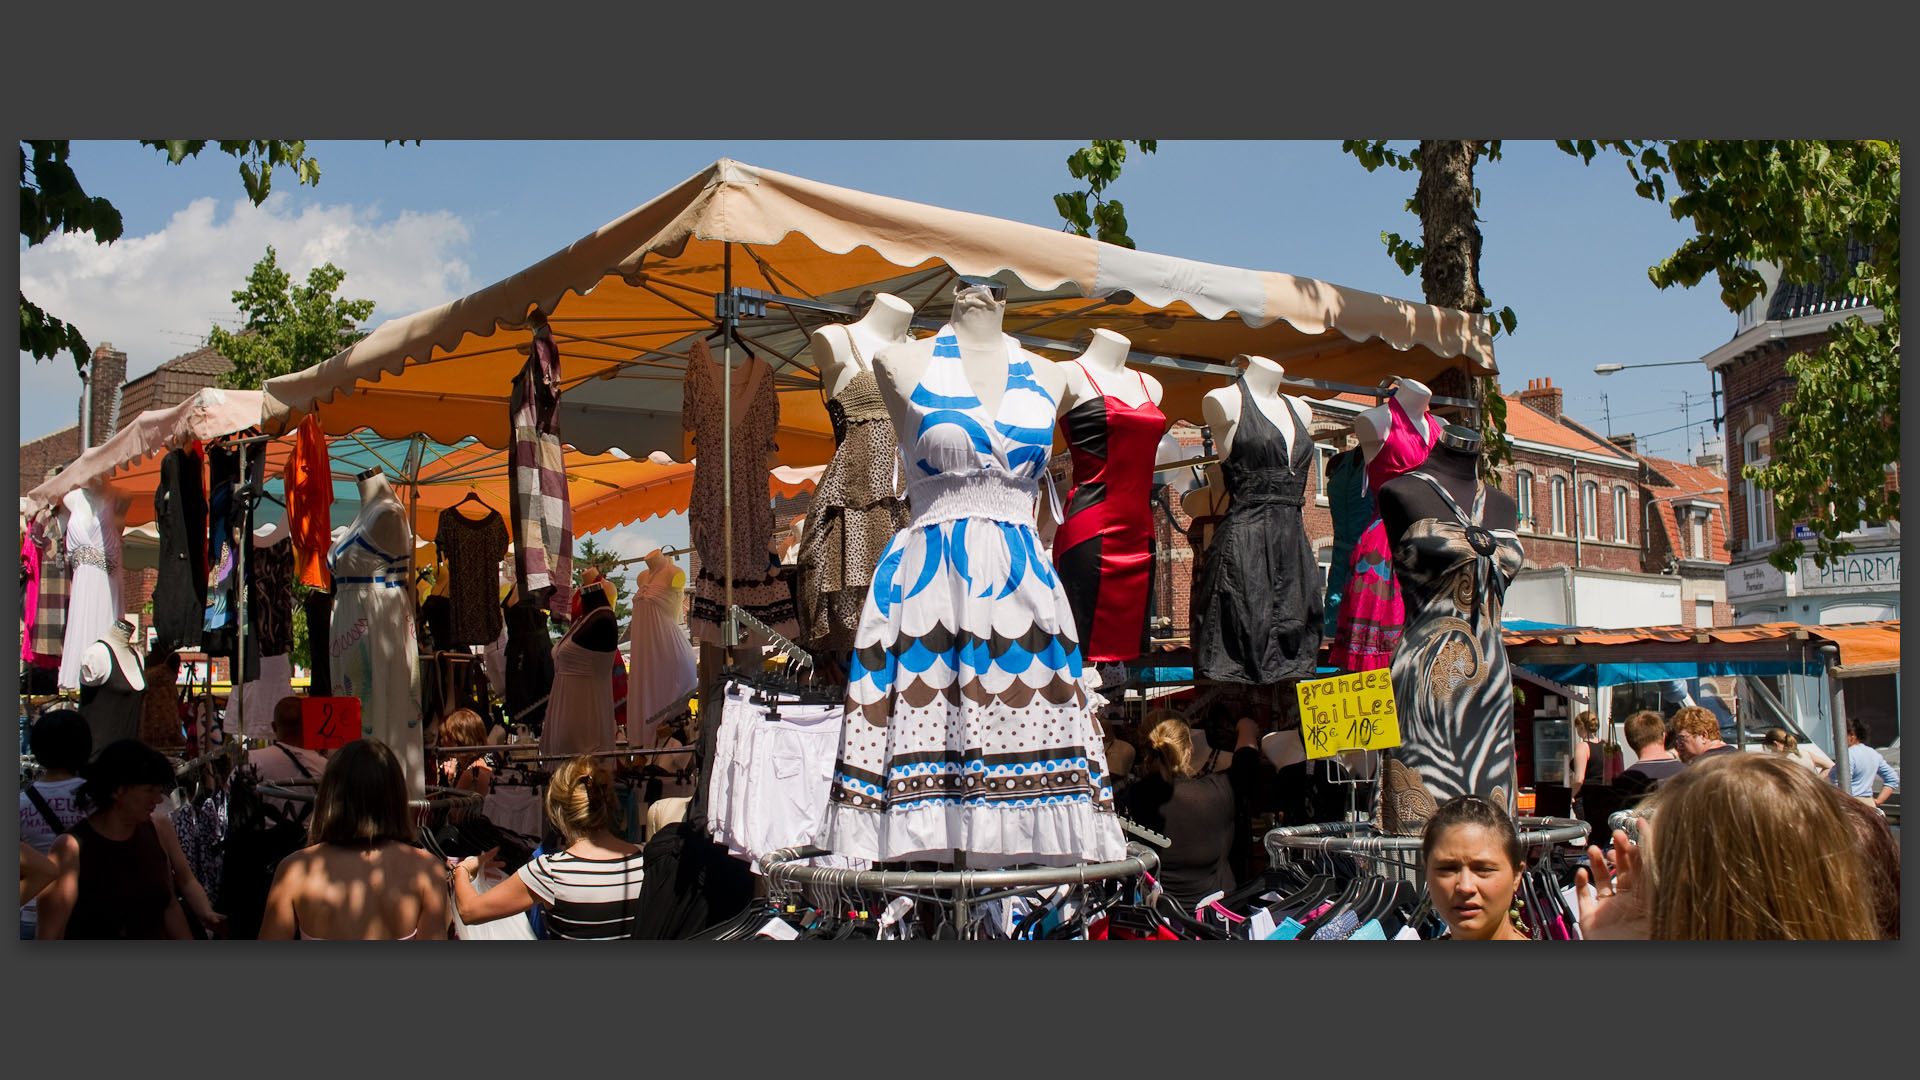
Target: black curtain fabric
(319, 608)
(529, 663)
(180, 591)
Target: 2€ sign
(1349, 712)
(327, 723)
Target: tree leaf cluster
(1824, 212)
(1086, 213)
(287, 327)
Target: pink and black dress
(1104, 548)
(1372, 614)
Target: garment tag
(1272, 897)
(1407, 933)
(896, 911)
(1262, 926)
(778, 929)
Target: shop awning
(626, 302)
(209, 414)
(1591, 657)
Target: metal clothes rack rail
(438, 796)
(958, 885)
(1401, 854)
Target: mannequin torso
(1371, 427)
(1407, 499)
(1221, 408)
(845, 350)
(597, 629)
(984, 356)
(383, 518)
(1101, 370)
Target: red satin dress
(1104, 548)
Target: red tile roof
(1526, 422)
(1666, 479)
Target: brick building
(1755, 385)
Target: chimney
(1542, 396)
(109, 372)
(1711, 461)
(1625, 442)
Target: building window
(1523, 498)
(1590, 510)
(1759, 499)
(1698, 522)
(1703, 613)
(1559, 487)
(1325, 455)
(1620, 515)
(1323, 556)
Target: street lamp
(1608, 369)
(1646, 535)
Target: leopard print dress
(859, 505)
(1451, 684)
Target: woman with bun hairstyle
(1193, 807)
(1783, 742)
(591, 890)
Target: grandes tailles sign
(1860, 570)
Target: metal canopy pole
(236, 701)
(1842, 761)
(730, 632)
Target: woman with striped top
(591, 890)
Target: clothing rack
(438, 798)
(665, 552)
(1402, 853)
(782, 867)
(785, 645)
(514, 759)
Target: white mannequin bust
(1105, 360)
(1221, 408)
(387, 530)
(114, 650)
(976, 322)
(841, 348)
(1372, 426)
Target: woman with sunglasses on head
(1474, 859)
(115, 873)
(363, 878)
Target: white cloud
(633, 541)
(154, 296)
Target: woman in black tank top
(116, 880)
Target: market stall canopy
(626, 303)
(1589, 657)
(211, 413)
(608, 490)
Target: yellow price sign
(1349, 712)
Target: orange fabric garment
(310, 504)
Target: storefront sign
(1753, 580)
(327, 723)
(1861, 570)
(1349, 712)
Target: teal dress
(1353, 510)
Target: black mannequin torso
(1407, 499)
(598, 629)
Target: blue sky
(1566, 245)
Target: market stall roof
(211, 413)
(1590, 657)
(608, 490)
(626, 302)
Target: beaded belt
(88, 555)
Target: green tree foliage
(287, 327)
(1086, 212)
(605, 561)
(52, 200)
(1806, 206)
(1448, 256)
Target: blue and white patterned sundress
(968, 725)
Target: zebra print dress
(1451, 682)
(968, 724)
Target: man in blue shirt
(1863, 764)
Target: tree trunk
(1450, 276)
